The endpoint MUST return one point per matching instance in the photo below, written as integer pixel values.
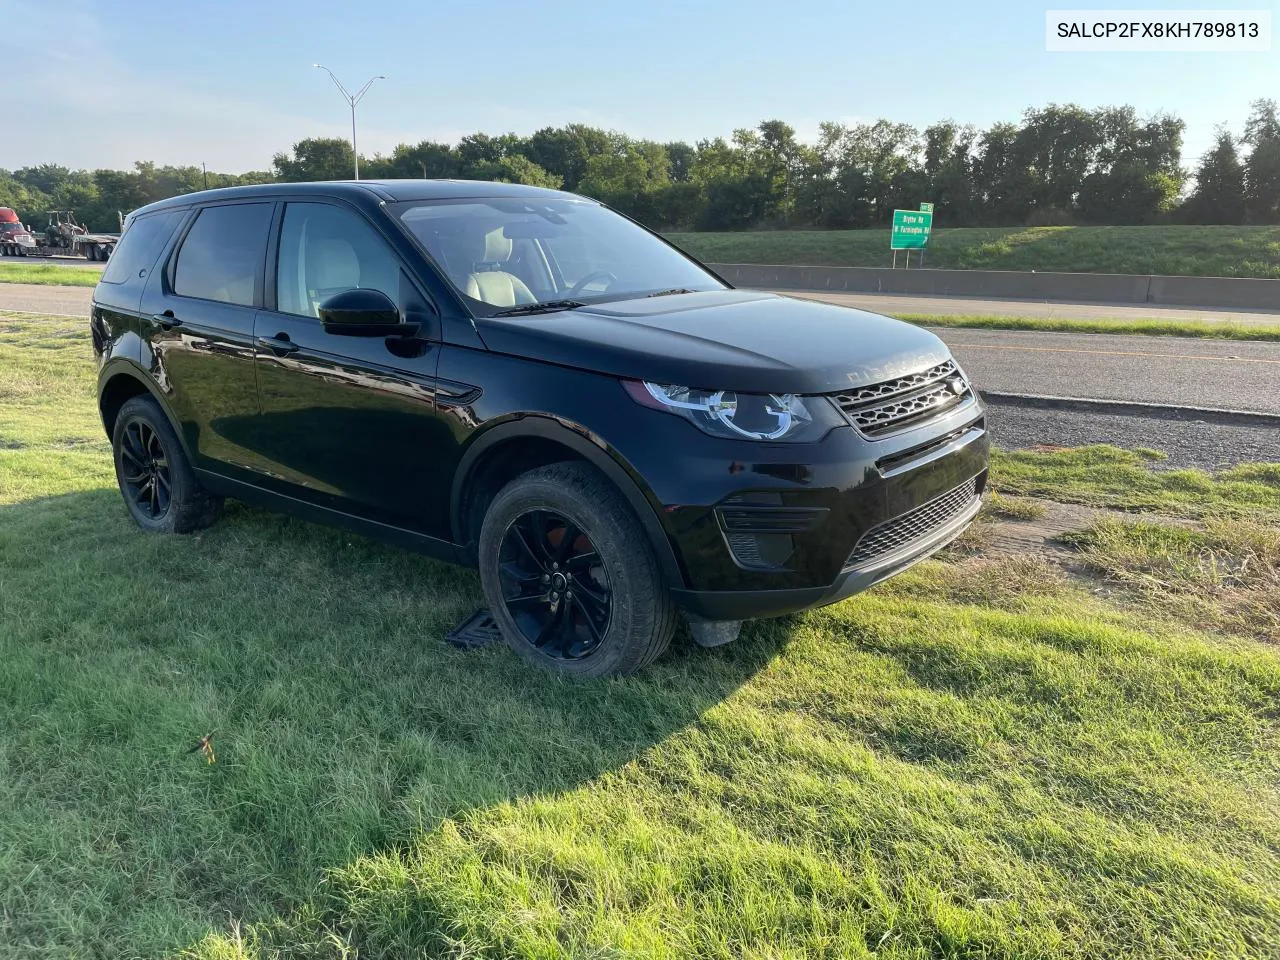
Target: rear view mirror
(364, 313)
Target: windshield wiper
(548, 306)
(670, 293)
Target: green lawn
(983, 758)
(1216, 251)
(1156, 327)
(49, 274)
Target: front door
(198, 314)
(348, 422)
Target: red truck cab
(15, 239)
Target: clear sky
(90, 83)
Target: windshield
(502, 254)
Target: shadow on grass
(342, 724)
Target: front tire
(570, 577)
(159, 487)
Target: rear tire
(159, 487)
(612, 614)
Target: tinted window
(140, 244)
(504, 252)
(222, 254)
(325, 250)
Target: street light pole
(353, 100)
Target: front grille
(914, 525)
(884, 408)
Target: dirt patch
(1221, 576)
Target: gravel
(1189, 443)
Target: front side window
(222, 254)
(325, 250)
(140, 244)
(505, 253)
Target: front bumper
(777, 533)
(752, 604)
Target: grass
(49, 274)
(1199, 329)
(1227, 574)
(1003, 507)
(977, 759)
(1108, 477)
(1215, 251)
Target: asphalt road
(34, 298)
(1225, 374)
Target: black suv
(523, 380)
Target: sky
(230, 83)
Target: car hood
(741, 340)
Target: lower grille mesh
(892, 535)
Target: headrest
(334, 263)
(497, 248)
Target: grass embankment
(977, 759)
(1197, 329)
(1213, 251)
(49, 274)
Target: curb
(1133, 408)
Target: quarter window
(222, 254)
(325, 250)
(140, 245)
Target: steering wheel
(594, 275)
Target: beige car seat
(496, 286)
(334, 263)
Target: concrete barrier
(1207, 292)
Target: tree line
(1060, 164)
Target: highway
(1223, 374)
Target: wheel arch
(508, 449)
(121, 381)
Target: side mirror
(364, 313)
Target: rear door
(348, 423)
(198, 319)
(115, 319)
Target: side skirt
(280, 503)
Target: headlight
(741, 416)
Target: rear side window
(140, 244)
(221, 256)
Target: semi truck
(63, 237)
(15, 239)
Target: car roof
(392, 191)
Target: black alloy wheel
(554, 585)
(570, 574)
(159, 487)
(146, 475)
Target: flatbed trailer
(63, 237)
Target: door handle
(280, 345)
(167, 320)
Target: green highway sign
(926, 208)
(910, 229)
